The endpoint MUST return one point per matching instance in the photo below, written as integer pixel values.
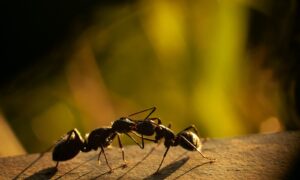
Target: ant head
(123, 125)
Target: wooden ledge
(258, 156)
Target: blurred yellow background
(190, 59)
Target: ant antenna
(152, 111)
(196, 148)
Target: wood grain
(250, 157)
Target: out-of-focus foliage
(193, 60)
(11, 145)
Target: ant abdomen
(68, 147)
(189, 140)
(65, 150)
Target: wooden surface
(250, 157)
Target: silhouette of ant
(187, 138)
(72, 143)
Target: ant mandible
(72, 143)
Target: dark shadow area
(180, 155)
(76, 167)
(168, 170)
(294, 171)
(208, 162)
(43, 174)
(38, 39)
(32, 30)
(31, 164)
(147, 155)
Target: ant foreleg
(152, 111)
(186, 140)
(135, 141)
(162, 159)
(143, 144)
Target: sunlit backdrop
(193, 60)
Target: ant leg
(102, 150)
(57, 162)
(196, 148)
(134, 141)
(163, 159)
(99, 157)
(141, 146)
(69, 134)
(123, 154)
(153, 140)
(152, 111)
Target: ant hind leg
(57, 162)
(102, 150)
(123, 154)
(162, 159)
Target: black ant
(186, 138)
(72, 143)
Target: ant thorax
(100, 137)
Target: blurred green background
(209, 63)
